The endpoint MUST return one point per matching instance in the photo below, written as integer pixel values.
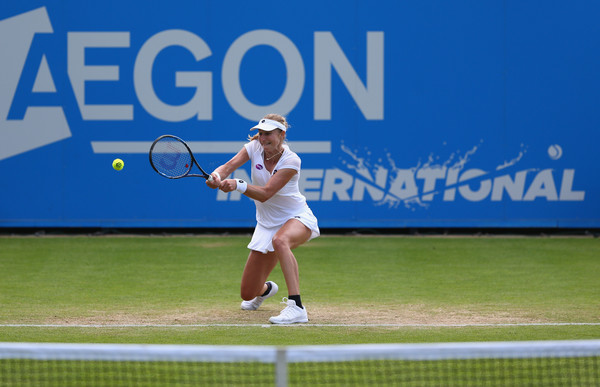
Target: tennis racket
(172, 158)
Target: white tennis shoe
(291, 314)
(256, 302)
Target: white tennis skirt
(262, 239)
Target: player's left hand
(228, 185)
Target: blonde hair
(274, 117)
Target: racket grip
(209, 178)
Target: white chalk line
(375, 325)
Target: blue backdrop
(405, 114)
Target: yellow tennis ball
(118, 164)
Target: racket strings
(171, 157)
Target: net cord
(299, 354)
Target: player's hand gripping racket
(172, 158)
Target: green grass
(405, 280)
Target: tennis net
(534, 363)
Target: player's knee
(280, 242)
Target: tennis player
(284, 220)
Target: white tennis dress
(286, 204)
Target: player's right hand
(215, 182)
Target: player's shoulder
(253, 146)
(289, 150)
(289, 153)
(290, 158)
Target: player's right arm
(221, 172)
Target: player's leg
(257, 270)
(291, 235)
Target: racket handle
(210, 178)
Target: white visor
(269, 125)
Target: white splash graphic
(418, 185)
(513, 161)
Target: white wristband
(216, 173)
(242, 186)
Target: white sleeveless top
(288, 201)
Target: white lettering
(481, 193)
(430, 175)
(514, 188)
(331, 184)
(230, 74)
(360, 186)
(566, 187)
(381, 175)
(404, 186)
(451, 179)
(310, 187)
(328, 55)
(200, 105)
(40, 125)
(542, 186)
(79, 72)
(336, 182)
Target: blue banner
(405, 114)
